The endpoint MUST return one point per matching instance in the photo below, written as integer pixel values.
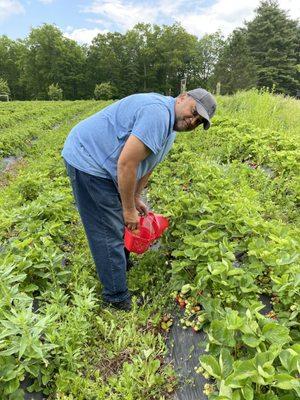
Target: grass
(263, 109)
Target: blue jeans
(99, 205)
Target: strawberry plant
(232, 196)
(234, 234)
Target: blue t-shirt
(94, 144)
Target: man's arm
(142, 184)
(134, 151)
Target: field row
(232, 195)
(70, 348)
(38, 120)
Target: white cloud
(46, 1)
(83, 35)
(10, 7)
(224, 15)
(227, 15)
(196, 18)
(292, 6)
(117, 12)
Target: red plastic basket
(151, 227)
(162, 224)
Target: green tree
(71, 70)
(236, 69)
(107, 61)
(175, 49)
(147, 58)
(10, 69)
(4, 88)
(50, 57)
(140, 44)
(105, 91)
(207, 55)
(55, 92)
(274, 39)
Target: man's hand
(131, 218)
(140, 206)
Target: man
(109, 158)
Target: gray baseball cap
(205, 103)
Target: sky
(82, 20)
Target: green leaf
(289, 359)
(276, 333)
(221, 334)
(23, 345)
(17, 395)
(154, 365)
(11, 386)
(37, 347)
(247, 392)
(216, 268)
(269, 396)
(186, 288)
(225, 390)
(251, 340)
(33, 369)
(31, 288)
(11, 350)
(236, 395)
(211, 365)
(233, 321)
(147, 353)
(286, 382)
(190, 254)
(266, 372)
(287, 258)
(242, 370)
(225, 362)
(265, 359)
(46, 378)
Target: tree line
(262, 53)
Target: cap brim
(201, 111)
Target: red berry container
(162, 224)
(151, 228)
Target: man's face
(186, 116)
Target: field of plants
(232, 195)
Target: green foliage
(54, 329)
(150, 58)
(263, 110)
(234, 234)
(11, 53)
(146, 58)
(236, 67)
(55, 92)
(4, 88)
(274, 39)
(50, 57)
(19, 133)
(105, 91)
(209, 49)
(29, 189)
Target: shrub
(105, 91)
(55, 92)
(4, 88)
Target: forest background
(263, 53)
